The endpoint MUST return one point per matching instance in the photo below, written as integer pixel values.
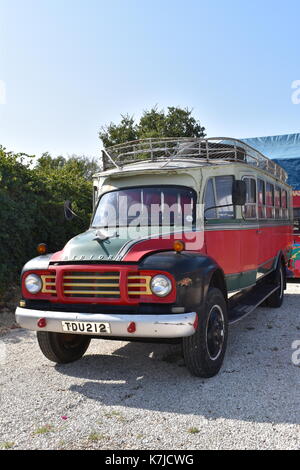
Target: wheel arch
(218, 280)
(194, 273)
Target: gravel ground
(140, 396)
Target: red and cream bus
(188, 235)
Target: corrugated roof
(277, 146)
(284, 150)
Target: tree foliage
(117, 133)
(31, 206)
(176, 122)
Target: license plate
(82, 327)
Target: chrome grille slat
(91, 284)
(84, 284)
(138, 281)
(49, 284)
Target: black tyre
(204, 351)
(62, 348)
(278, 280)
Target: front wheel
(204, 351)
(62, 348)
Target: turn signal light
(178, 246)
(42, 249)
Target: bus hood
(119, 244)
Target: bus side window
(210, 200)
(261, 199)
(270, 200)
(224, 196)
(277, 200)
(284, 204)
(250, 206)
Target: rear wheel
(204, 351)
(275, 300)
(62, 348)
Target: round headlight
(33, 283)
(161, 285)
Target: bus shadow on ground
(257, 383)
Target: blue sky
(70, 66)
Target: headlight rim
(170, 288)
(38, 279)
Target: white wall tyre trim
(215, 332)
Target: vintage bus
(188, 235)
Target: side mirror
(69, 214)
(239, 192)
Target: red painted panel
(234, 250)
(194, 241)
(57, 256)
(224, 247)
(274, 239)
(249, 249)
(296, 198)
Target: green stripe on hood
(102, 244)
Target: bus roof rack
(166, 150)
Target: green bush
(31, 206)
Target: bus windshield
(146, 206)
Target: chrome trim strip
(147, 326)
(232, 322)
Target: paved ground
(140, 396)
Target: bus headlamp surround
(33, 283)
(161, 285)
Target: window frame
(268, 206)
(254, 178)
(145, 186)
(263, 205)
(284, 210)
(277, 208)
(213, 178)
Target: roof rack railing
(166, 150)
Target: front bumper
(147, 326)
